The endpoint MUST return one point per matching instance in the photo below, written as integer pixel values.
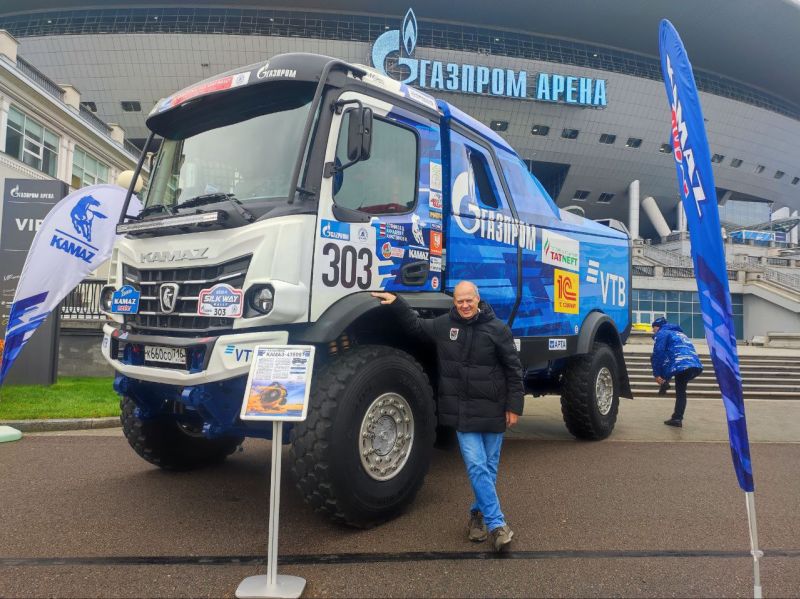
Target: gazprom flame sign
(477, 79)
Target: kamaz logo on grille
(174, 255)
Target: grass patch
(70, 397)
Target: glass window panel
(645, 304)
(102, 173)
(33, 130)
(645, 294)
(673, 306)
(686, 296)
(50, 163)
(13, 143)
(31, 160)
(685, 322)
(16, 119)
(659, 304)
(673, 317)
(738, 323)
(50, 140)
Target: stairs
(763, 377)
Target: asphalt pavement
(650, 512)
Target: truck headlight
(105, 298)
(262, 299)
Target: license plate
(167, 355)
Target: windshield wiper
(209, 198)
(154, 208)
(214, 198)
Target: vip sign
(566, 291)
(560, 251)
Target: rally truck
(280, 196)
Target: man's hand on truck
(386, 298)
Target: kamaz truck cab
(282, 194)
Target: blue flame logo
(409, 32)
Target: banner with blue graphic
(74, 239)
(696, 183)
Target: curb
(62, 424)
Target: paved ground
(651, 512)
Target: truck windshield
(251, 158)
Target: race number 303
(347, 266)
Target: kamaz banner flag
(73, 240)
(696, 183)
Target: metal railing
(93, 120)
(666, 258)
(40, 78)
(782, 278)
(643, 270)
(678, 272)
(83, 302)
(779, 262)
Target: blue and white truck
(281, 195)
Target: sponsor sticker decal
(436, 243)
(125, 300)
(560, 251)
(418, 254)
(435, 282)
(436, 264)
(392, 231)
(388, 251)
(221, 300)
(435, 201)
(436, 176)
(566, 298)
(517, 344)
(331, 229)
(557, 344)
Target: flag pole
(754, 550)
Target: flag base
(256, 587)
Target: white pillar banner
(75, 238)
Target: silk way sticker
(125, 300)
(221, 300)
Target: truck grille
(184, 318)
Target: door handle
(415, 274)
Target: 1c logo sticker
(348, 266)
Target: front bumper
(209, 359)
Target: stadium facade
(575, 86)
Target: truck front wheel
(590, 393)
(364, 450)
(169, 445)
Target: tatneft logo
(476, 79)
(560, 251)
(566, 290)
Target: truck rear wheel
(364, 451)
(590, 393)
(169, 445)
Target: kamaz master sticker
(221, 300)
(566, 292)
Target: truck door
(483, 234)
(380, 220)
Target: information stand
(277, 390)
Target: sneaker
(674, 422)
(501, 537)
(476, 528)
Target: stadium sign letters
(476, 79)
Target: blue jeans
(481, 453)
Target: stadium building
(575, 86)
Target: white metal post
(754, 550)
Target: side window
(484, 189)
(386, 183)
(529, 196)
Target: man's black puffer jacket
(480, 375)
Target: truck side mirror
(359, 134)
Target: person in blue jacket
(674, 356)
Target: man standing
(480, 394)
(674, 355)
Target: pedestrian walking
(674, 355)
(480, 394)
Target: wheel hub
(604, 391)
(386, 436)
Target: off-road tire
(325, 453)
(163, 443)
(579, 402)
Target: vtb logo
(567, 292)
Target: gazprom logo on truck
(331, 229)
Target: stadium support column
(681, 214)
(655, 216)
(793, 233)
(633, 209)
